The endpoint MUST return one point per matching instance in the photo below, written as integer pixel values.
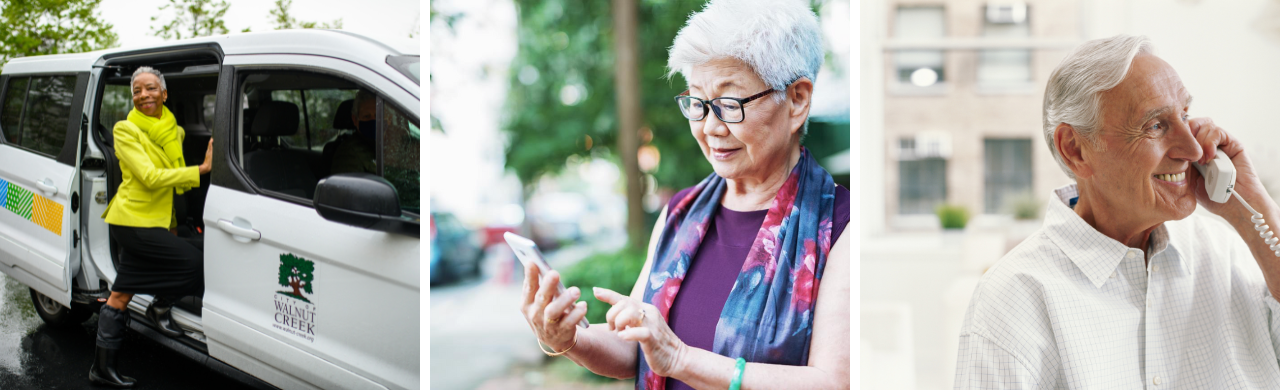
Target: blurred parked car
(437, 273)
(555, 218)
(493, 235)
(455, 250)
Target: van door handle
(46, 185)
(238, 231)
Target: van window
(209, 105)
(317, 109)
(12, 112)
(290, 155)
(35, 112)
(117, 101)
(401, 147)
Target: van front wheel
(56, 315)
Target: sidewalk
(477, 332)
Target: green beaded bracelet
(736, 384)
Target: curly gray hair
(148, 69)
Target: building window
(1007, 171)
(922, 174)
(1005, 68)
(919, 69)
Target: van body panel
(247, 344)
(362, 312)
(36, 223)
(60, 63)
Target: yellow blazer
(145, 197)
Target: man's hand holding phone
(1255, 207)
(1214, 140)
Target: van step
(197, 352)
(187, 320)
(90, 297)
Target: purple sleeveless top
(713, 270)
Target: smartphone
(528, 252)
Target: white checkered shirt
(1070, 308)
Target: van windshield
(408, 66)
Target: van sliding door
(40, 117)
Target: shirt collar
(1095, 254)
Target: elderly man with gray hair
(1123, 287)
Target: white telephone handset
(1219, 177)
(1220, 181)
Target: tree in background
(284, 21)
(562, 100)
(627, 94)
(194, 18)
(39, 27)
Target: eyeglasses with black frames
(729, 110)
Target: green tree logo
(296, 272)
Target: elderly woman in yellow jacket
(154, 260)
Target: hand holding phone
(1219, 177)
(527, 251)
(1220, 181)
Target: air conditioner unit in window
(1007, 13)
(925, 145)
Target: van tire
(56, 315)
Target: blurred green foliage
(40, 27)
(616, 271)
(566, 48)
(283, 20)
(953, 216)
(191, 18)
(567, 371)
(1025, 206)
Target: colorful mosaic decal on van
(31, 206)
(47, 213)
(19, 201)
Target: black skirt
(154, 261)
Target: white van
(312, 280)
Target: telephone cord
(1259, 224)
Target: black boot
(111, 327)
(103, 372)
(160, 314)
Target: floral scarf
(768, 317)
(165, 133)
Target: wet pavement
(36, 356)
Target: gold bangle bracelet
(566, 350)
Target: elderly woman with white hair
(140, 217)
(729, 294)
(1122, 286)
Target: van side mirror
(365, 201)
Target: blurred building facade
(962, 90)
